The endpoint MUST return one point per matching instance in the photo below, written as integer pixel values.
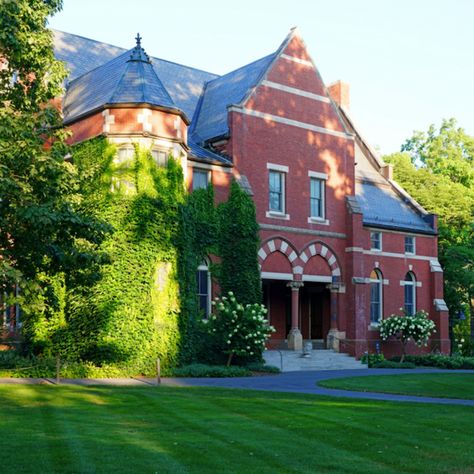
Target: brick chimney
(339, 92)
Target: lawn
(425, 385)
(46, 429)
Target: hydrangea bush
(404, 328)
(242, 329)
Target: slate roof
(128, 78)
(382, 207)
(99, 70)
(204, 154)
(184, 84)
(211, 117)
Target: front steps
(319, 359)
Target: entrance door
(314, 306)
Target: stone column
(295, 338)
(334, 335)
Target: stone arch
(324, 251)
(281, 245)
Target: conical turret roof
(127, 79)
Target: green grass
(55, 429)
(425, 385)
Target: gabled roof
(211, 115)
(127, 79)
(184, 84)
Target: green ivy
(139, 302)
(239, 242)
(130, 315)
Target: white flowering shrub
(243, 330)
(418, 328)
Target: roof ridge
(124, 49)
(98, 67)
(241, 67)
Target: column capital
(295, 285)
(334, 287)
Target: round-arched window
(376, 295)
(410, 294)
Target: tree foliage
(240, 329)
(44, 231)
(437, 168)
(418, 328)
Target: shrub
(441, 361)
(242, 329)
(371, 359)
(258, 367)
(417, 327)
(390, 364)
(202, 370)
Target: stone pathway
(295, 382)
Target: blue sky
(409, 63)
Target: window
(376, 286)
(410, 294)
(277, 191)
(409, 244)
(160, 157)
(376, 240)
(124, 155)
(203, 281)
(317, 198)
(200, 179)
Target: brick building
(342, 245)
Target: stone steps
(319, 359)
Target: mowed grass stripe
(442, 385)
(160, 429)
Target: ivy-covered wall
(141, 302)
(130, 315)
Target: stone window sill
(277, 215)
(318, 220)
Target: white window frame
(283, 170)
(372, 232)
(413, 284)
(323, 177)
(201, 170)
(161, 150)
(414, 244)
(380, 282)
(205, 267)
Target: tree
(241, 329)
(404, 328)
(437, 168)
(44, 229)
(238, 247)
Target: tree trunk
(229, 359)
(471, 315)
(404, 350)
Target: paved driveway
(295, 382)
(306, 382)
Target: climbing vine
(130, 315)
(238, 247)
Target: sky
(409, 63)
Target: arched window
(376, 282)
(410, 294)
(203, 284)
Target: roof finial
(138, 53)
(139, 40)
